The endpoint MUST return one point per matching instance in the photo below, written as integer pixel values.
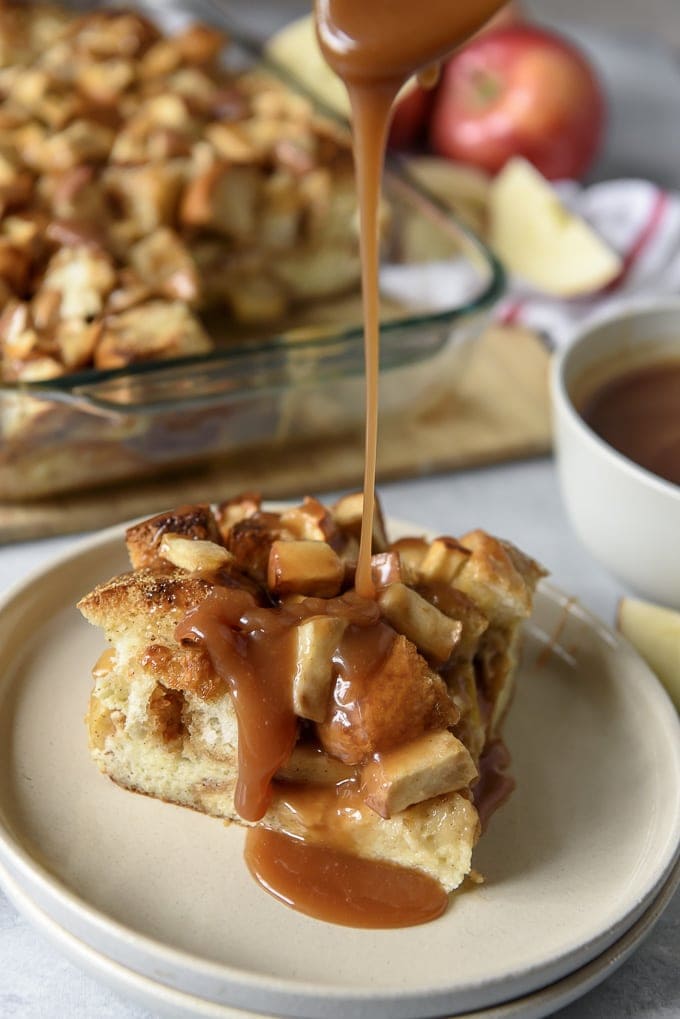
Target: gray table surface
(519, 501)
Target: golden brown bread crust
(250, 541)
(498, 577)
(143, 539)
(165, 596)
(188, 669)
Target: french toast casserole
(142, 184)
(247, 679)
(156, 203)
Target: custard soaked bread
(248, 680)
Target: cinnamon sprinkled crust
(376, 707)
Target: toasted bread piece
(498, 577)
(232, 511)
(403, 699)
(143, 539)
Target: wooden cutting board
(497, 410)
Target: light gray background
(649, 15)
(520, 501)
(662, 16)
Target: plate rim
(299, 992)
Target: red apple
(410, 118)
(519, 90)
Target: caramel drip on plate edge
(374, 47)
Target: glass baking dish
(297, 384)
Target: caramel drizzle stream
(370, 116)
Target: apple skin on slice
(654, 632)
(541, 241)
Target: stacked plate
(156, 900)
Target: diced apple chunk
(433, 764)
(304, 567)
(316, 641)
(411, 551)
(312, 766)
(540, 240)
(193, 554)
(654, 631)
(386, 568)
(433, 633)
(443, 560)
(348, 513)
(311, 520)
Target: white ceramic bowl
(627, 517)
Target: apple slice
(541, 241)
(654, 632)
(295, 48)
(463, 188)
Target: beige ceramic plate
(571, 862)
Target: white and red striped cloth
(638, 220)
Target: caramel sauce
(638, 414)
(339, 887)
(257, 663)
(328, 880)
(494, 785)
(361, 655)
(374, 47)
(252, 648)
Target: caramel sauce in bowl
(616, 435)
(638, 414)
